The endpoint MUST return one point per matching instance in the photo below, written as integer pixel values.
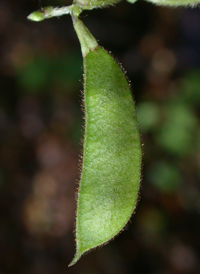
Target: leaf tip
(75, 259)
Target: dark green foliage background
(41, 127)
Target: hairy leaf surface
(111, 167)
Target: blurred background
(41, 128)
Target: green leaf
(175, 3)
(131, 1)
(87, 40)
(111, 166)
(92, 4)
(36, 16)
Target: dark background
(41, 127)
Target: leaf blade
(111, 156)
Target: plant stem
(49, 12)
(87, 40)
